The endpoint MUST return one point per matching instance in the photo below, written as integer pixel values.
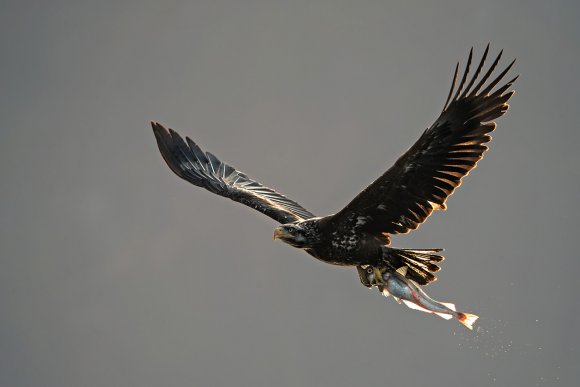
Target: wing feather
(204, 169)
(429, 172)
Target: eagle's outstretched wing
(205, 170)
(428, 173)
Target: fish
(408, 292)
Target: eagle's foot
(372, 276)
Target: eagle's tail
(421, 263)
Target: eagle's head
(303, 234)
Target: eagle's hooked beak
(279, 233)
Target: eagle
(398, 202)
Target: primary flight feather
(399, 201)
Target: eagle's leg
(372, 276)
(366, 275)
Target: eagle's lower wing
(203, 169)
(428, 173)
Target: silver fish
(410, 293)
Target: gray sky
(116, 273)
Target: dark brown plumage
(397, 202)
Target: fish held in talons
(407, 291)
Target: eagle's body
(397, 202)
(348, 243)
(347, 247)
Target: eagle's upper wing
(422, 179)
(190, 163)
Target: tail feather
(422, 263)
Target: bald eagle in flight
(397, 202)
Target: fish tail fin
(421, 263)
(467, 319)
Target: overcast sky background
(114, 272)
